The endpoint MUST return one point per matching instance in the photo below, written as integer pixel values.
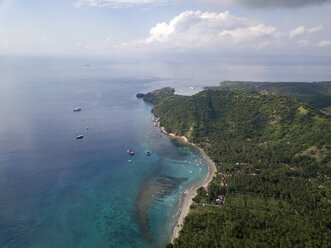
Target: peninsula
(272, 154)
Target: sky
(235, 29)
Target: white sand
(185, 200)
(186, 197)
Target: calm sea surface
(56, 191)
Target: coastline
(186, 197)
(185, 200)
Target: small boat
(77, 109)
(192, 88)
(86, 128)
(80, 136)
(130, 151)
(129, 161)
(148, 153)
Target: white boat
(80, 136)
(77, 109)
(130, 151)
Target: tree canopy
(273, 158)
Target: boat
(129, 161)
(77, 109)
(148, 153)
(130, 151)
(192, 88)
(80, 136)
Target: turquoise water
(56, 191)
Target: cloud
(212, 30)
(243, 34)
(316, 29)
(324, 43)
(208, 31)
(301, 30)
(116, 3)
(267, 3)
(297, 31)
(196, 27)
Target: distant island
(273, 157)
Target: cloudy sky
(273, 31)
(101, 27)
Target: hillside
(317, 94)
(273, 159)
(157, 95)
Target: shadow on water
(155, 188)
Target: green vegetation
(273, 158)
(317, 94)
(140, 95)
(158, 95)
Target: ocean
(56, 191)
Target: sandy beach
(186, 197)
(185, 200)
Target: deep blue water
(56, 191)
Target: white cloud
(297, 31)
(324, 43)
(301, 30)
(194, 26)
(116, 3)
(252, 32)
(160, 32)
(194, 30)
(210, 30)
(316, 29)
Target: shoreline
(186, 197)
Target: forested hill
(273, 159)
(157, 95)
(317, 94)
